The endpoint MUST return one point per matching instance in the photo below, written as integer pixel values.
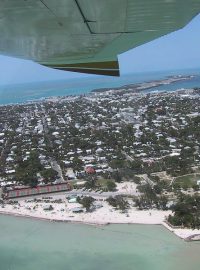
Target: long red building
(24, 192)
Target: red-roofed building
(90, 170)
(45, 189)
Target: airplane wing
(86, 35)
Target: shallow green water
(27, 244)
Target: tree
(90, 182)
(157, 189)
(117, 176)
(118, 202)
(86, 202)
(186, 212)
(111, 186)
(49, 175)
(26, 171)
(163, 202)
(195, 187)
(77, 164)
(149, 199)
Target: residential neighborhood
(73, 138)
(129, 150)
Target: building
(90, 170)
(45, 189)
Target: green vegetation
(177, 166)
(91, 182)
(118, 202)
(150, 198)
(186, 212)
(49, 175)
(121, 137)
(111, 186)
(86, 202)
(27, 170)
(187, 181)
(105, 184)
(117, 176)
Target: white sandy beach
(101, 216)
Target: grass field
(187, 181)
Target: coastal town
(115, 156)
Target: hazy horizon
(183, 71)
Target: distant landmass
(149, 84)
(22, 93)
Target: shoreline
(185, 234)
(147, 85)
(136, 87)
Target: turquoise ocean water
(27, 244)
(36, 91)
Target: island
(111, 156)
(147, 85)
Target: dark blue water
(11, 94)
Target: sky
(175, 51)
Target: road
(147, 180)
(127, 156)
(56, 167)
(97, 194)
(54, 164)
